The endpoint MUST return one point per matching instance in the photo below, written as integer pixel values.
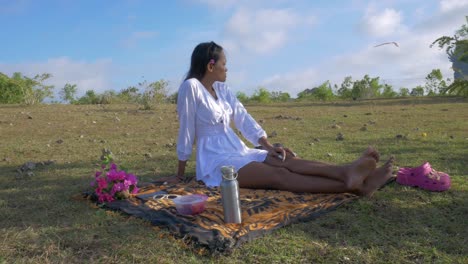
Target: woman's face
(219, 68)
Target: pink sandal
(424, 177)
(425, 168)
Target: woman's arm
(186, 108)
(251, 130)
(244, 122)
(181, 169)
(263, 141)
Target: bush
(262, 95)
(417, 91)
(11, 91)
(345, 89)
(404, 92)
(242, 97)
(323, 92)
(68, 93)
(458, 87)
(388, 91)
(154, 93)
(280, 96)
(90, 97)
(20, 89)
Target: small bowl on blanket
(190, 204)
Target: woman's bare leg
(258, 175)
(265, 176)
(349, 174)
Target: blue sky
(282, 45)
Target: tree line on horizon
(365, 88)
(20, 89)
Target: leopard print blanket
(262, 211)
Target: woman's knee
(279, 177)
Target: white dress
(207, 120)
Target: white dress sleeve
(249, 128)
(186, 108)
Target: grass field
(41, 222)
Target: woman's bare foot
(358, 171)
(378, 178)
(372, 153)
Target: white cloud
(443, 23)
(253, 29)
(261, 31)
(137, 36)
(450, 5)
(293, 82)
(86, 75)
(382, 24)
(404, 66)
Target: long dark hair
(201, 56)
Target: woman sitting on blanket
(206, 106)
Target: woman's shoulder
(192, 82)
(222, 86)
(223, 89)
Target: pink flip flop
(424, 177)
(425, 168)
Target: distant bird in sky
(394, 43)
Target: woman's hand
(277, 152)
(288, 150)
(281, 152)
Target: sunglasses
(165, 196)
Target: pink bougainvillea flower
(110, 183)
(132, 179)
(122, 175)
(112, 176)
(102, 183)
(127, 184)
(134, 190)
(118, 187)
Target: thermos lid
(229, 173)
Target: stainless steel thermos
(230, 195)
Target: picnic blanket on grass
(262, 212)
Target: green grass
(42, 222)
